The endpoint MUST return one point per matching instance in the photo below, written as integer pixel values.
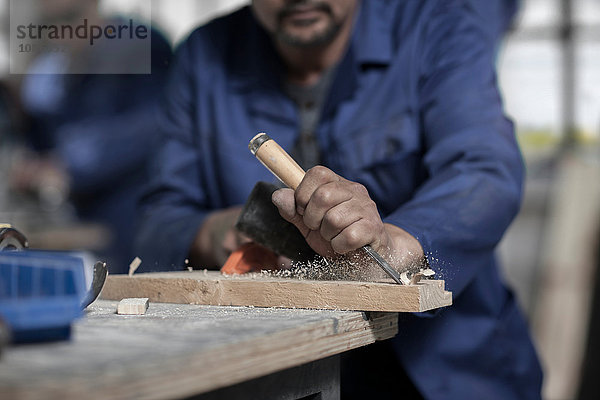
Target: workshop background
(549, 74)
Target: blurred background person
(89, 135)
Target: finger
(324, 198)
(337, 218)
(320, 246)
(315, 177)
(354, 236)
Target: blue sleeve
(496, 15)
(113, 146)
(174, 204)
(474, 166)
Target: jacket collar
(372, 38)
(257, 68)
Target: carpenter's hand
(337, 216)
(217, 238)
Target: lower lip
(304, 15)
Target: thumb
(286, 204)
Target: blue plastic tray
(40, 294)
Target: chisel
(283, 166)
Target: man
(92, 133)
(397, 103)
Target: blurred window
(540, 13)
(587, 12)
(587, 91)
(549, 72)
(530, 77)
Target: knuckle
(353, 237)
(323, 196)
(319, 172)
(360, 189)
(334, 219)
(341, 186)
(371, 207)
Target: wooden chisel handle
(283, 166)
(277, 160)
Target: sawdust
(442, 268)
(355, 266)
(134, 265)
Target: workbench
(180, 350)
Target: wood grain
(212, 288)
(175, 351)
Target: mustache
(301, 5)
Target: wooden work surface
(180, 350)
(261, 290)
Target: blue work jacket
(414, 114)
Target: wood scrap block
(213, 288)
(133, 306)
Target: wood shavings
(134, 265)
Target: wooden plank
(175, 351)
(259, 290)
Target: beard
(317, 38)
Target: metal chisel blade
(383, 264)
